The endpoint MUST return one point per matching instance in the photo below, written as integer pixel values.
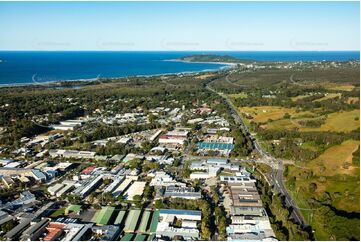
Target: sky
(172, 26)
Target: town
(173, 180)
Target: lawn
(58, 212)
(344, 121)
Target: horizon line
(95, 50)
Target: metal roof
(132, 220)
(104, 215)
(143, 224)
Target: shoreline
(58, 83)
(204, 62)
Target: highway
(275, 164)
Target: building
(76, 232)
(166, 226)
(76, 154)
(182, 192)
(68, 124)
(175, 138)
(15, 232)
(35, 230)
(170, 214)
(136, 189)
(86, 188)
(25, 198)
(54, 231)
(163, 179)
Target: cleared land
(328, 96)
(263, 114)
(239, 95)
(345, 121)
(335, 180)
(338, 87)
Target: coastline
(58, 83)
(204, 62)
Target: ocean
(30, 67)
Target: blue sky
(179, 26)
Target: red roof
(171, 137)
(88, 170)
(54, 229)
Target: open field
(332, 161)
(351, 100)
(204, 76)
(239, 95)
(328, 96)
(334, 183)
(338, 86)
(263, 114)
(344, 121)
(294, 99)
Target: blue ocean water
(27, 67)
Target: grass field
(351, 100)
(239, 95)
(294, 99)
(338, 87)
(328, 96)
(339, 122)
(332, 179)
(334, 158)
(263, 114)
(58, 212)
(331, 175)
(281, 124)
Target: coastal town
(177, 162)
(168, 182)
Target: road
(275, 164)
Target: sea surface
(33, 67)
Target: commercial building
(161, 178)
(90, 185)
(35, 230)
(54, 231)
(182, 192)
(175, 137)
(135, 189)
(76, 154)
(76, 232)
(166, 228)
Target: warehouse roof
(180, 212)
(119, 219)
(140, 237)
(127, 237)
(132, 220)
(104, 215)
(154, 223)
(144, 223)
(215, 146)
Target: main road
(275, 164)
